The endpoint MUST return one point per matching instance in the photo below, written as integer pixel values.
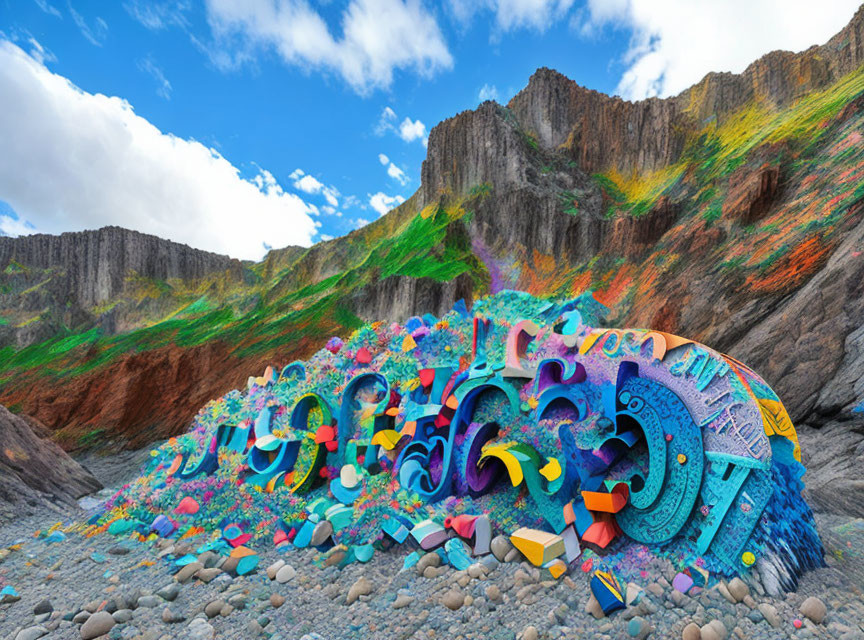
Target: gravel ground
(504, 600)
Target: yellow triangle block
(556, 568)
(552, 470)
(408, 343)
(387, 438)
(538, 546)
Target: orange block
(611, 502)
(603, 531)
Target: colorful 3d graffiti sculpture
(584, 437)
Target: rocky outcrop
(35, 471)
(596, 130)
(600, 132)
(751, 193)
(399, 297)
(95, 264)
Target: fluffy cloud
(397, 174)
(409, 130)
(413, 130)
(73, 160)
(310, 184)
(392, 170)
(488, 92)
(382, 203)
(514, 14)
(667, 54)
(377, 37)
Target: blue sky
(317, 113)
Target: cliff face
(48, 283)
(732, 213)
(599, 131)
(96, 263)
(35, 471)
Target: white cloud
(325, 237)
(48, 8)
(96, 33)
(667, 54)
(383, 159)
(409, 130)
(382, 203)
(40, 53)
(376, 37)
(73, 160)
(413, 130)
(14, 227)
(310, 184)
(488, 92)
(397, 174)
(360, 222)
(515, 14)
(163, 87)
(159, 15)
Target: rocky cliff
(732, 213)
(35, 471)
(48, 283)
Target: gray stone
(208, 559)
(273, 569)
(149, 602)
(285, 574)
(814, 609)
(714, 630)
(122, 616)
(362, 587)
(200, 630)
(529, 633)
(31, 633)
(402, 601)
(186, 573)
(453, 599)
(431, 559)
(691, 632)
(476, 571)
(322, 531)
(81, 617)
(44, 606)
(171, 616)
(738, 589)
(277, 600)
(97, 625)
(493, 593)
(769, 612)
(207, 575)
(238, 600)
(213, 608)
(593, 607)
(500, 546)
(169, 592)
